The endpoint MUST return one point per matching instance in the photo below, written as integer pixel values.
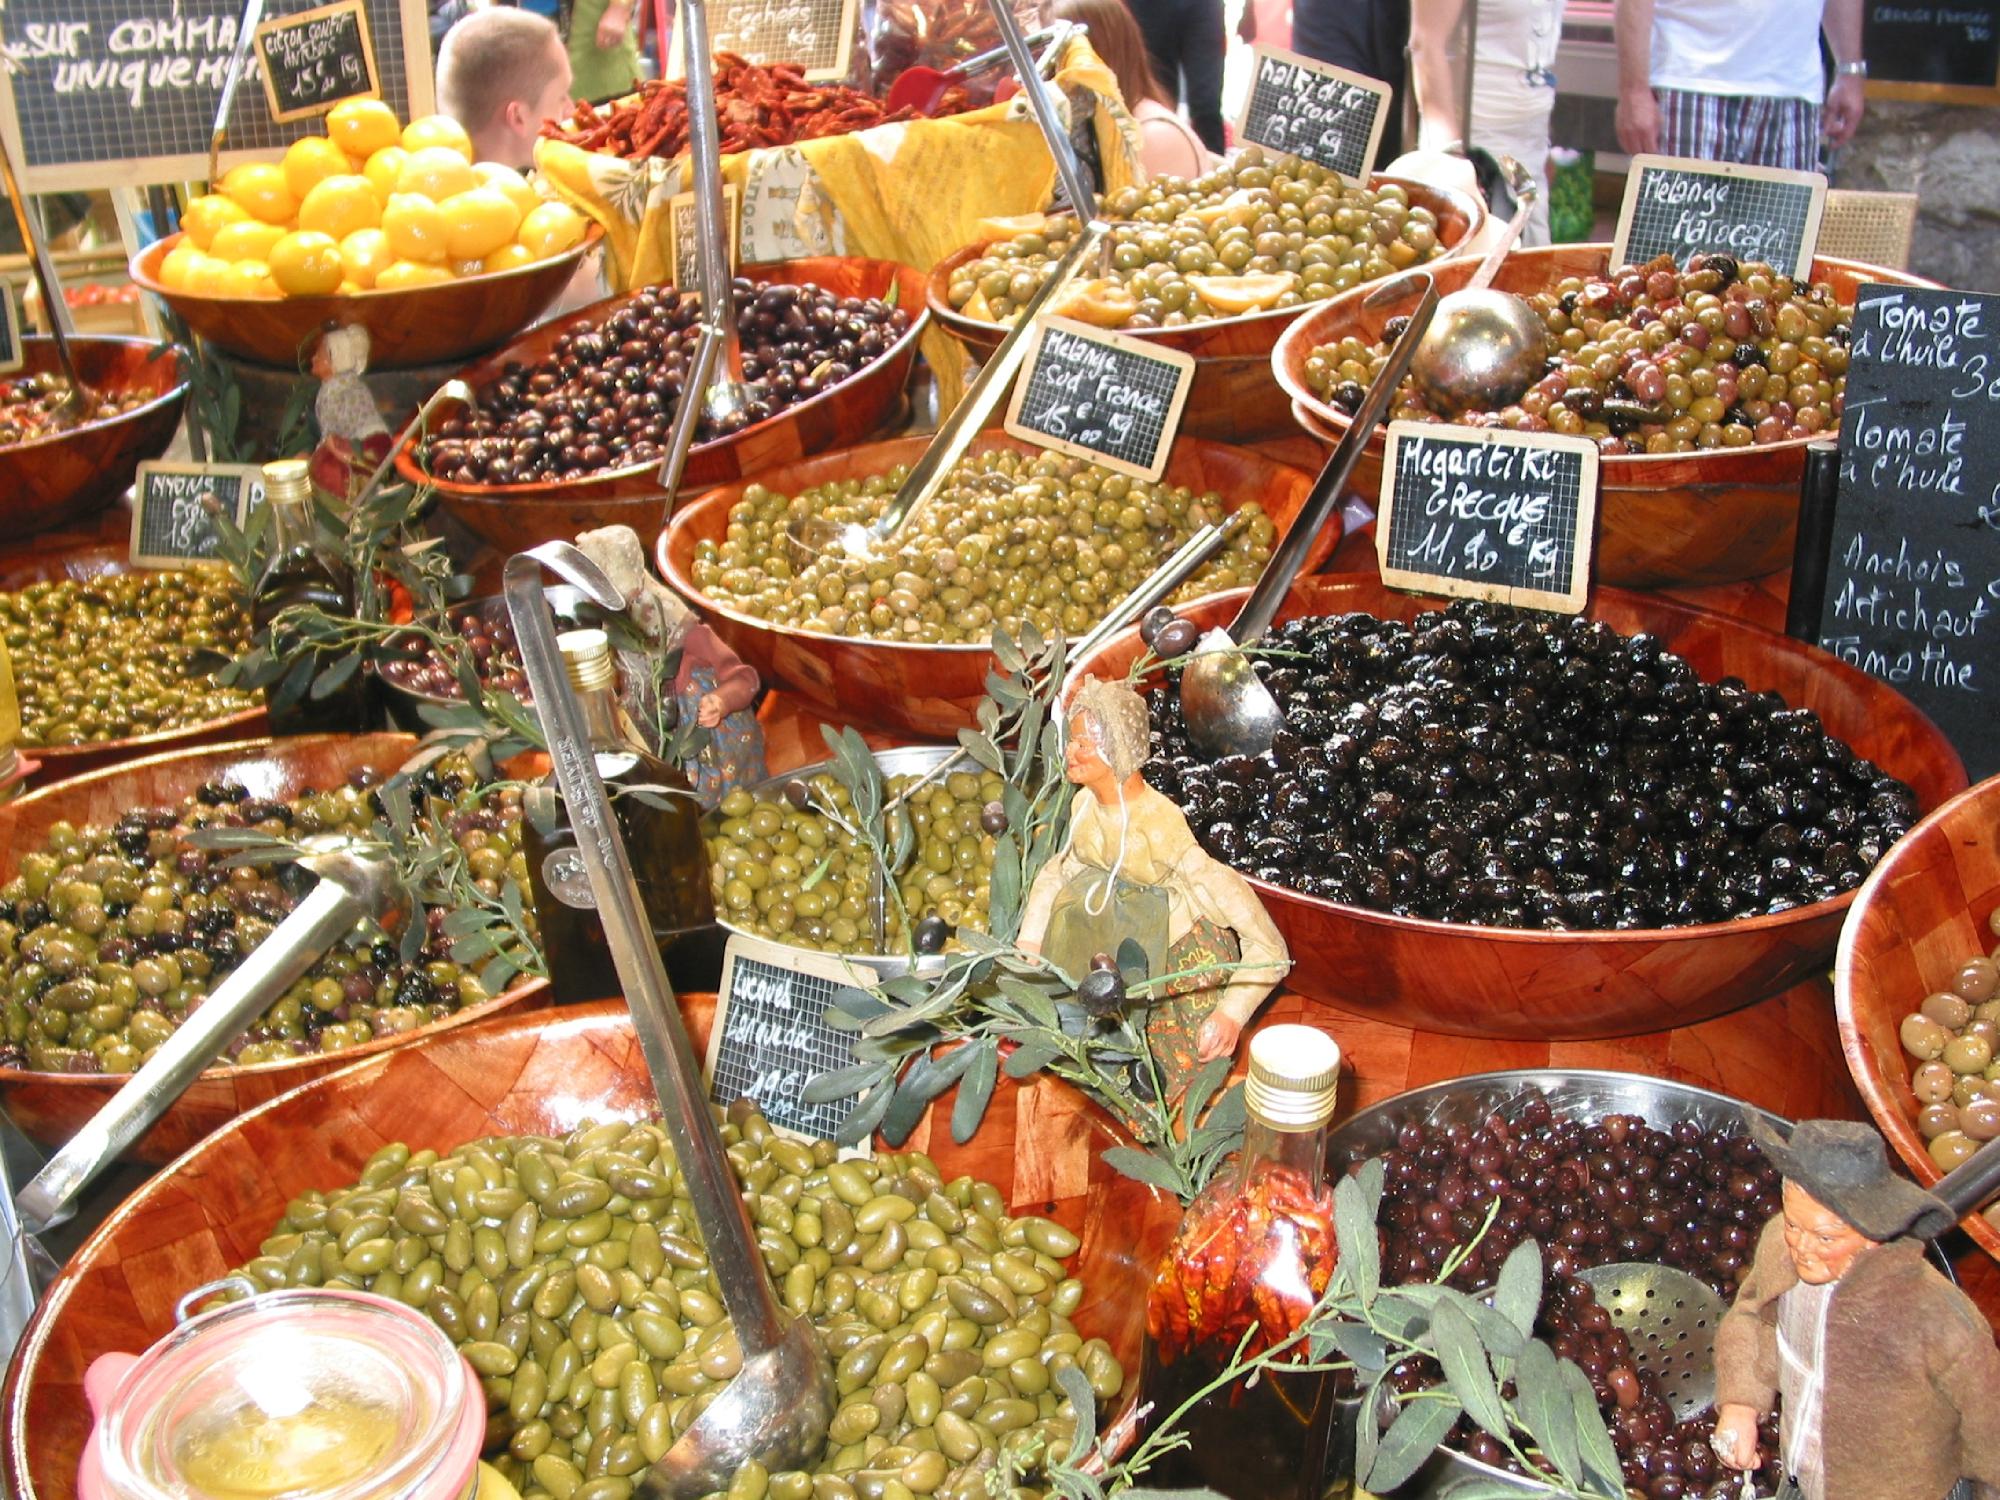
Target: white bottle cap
(1294, 1074)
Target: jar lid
(586, 658)
(287, 479)
(323, 1393)
(1294, 1074)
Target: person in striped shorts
(1725, 80)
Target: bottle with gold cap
(302, 571)
(1257, 1247)
(669, 856)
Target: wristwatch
(1856, 69)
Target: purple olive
(1176, 639)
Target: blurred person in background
(1513, 83)
(1186, 40)
(1167, 146)
(501, 72)
(1368, 37)
(604, 49)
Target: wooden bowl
(67, 475)
(60, 761)
(1663, 520)
(1039, 1145)
(513, 517)
(1232, 399)
(1561, 986)
(930, 692)
(423, 325)
(51, 1107)
(1922, 913)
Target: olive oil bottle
(664, 843)
(303, 572)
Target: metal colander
(1671, 1318)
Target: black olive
(1102, 991)
(1176, 639)
(993, 818)
(931, 934)
(1157, 619)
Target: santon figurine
(353, 438)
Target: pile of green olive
(113, 656)
(1954, 1040)
(793, 867)
(1257, 233)
(109, 936)
(1010, 537)
(571, 1275)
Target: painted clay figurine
(1132, 868)
(712, 686)
(1889, 1378)
(353, 438)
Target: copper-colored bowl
(60, 761)
(1663, 520)
(1565, 986)
(420, 325)
(923, 690)
(51, 1107)
(67, 475)
(513, 517)
(1232, 399)
(1040, 1145)
(1922, 913)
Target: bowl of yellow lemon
(387, 226)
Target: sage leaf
(1411, 1439)
(1368, 1425)
(1459, 1351)
(1361, 1344)
(1074, 1385)
(1143, 1166)
(1542, 1403)
(335, 677)
(1517, 1292)
(1599, 1458)
(1360, 1249)
(1207, 1079)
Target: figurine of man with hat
(1889, 1376)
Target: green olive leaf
(1517, 1291)
(841, 1083)
(1599, 1456)
(1542, 1403)
(1075, 1385)
(1411, 1439)
(974, 1090)
(858, 1126)
(1143, 1166)
(1456, 1342)
(1030, 1058)
(1360, 1248)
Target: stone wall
(1949, 155)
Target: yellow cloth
(912, 192)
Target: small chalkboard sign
(1913, 581)
(770, 1039)
(817, 33)
(1484, 514)
(1681, 207)
(1101, 396)
(315, 59)
(1314, 110)
(684, 235)
(171, 523)
(1944, 52)
(12, 354)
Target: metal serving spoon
(1485, 348)
(77, 402)
(728, 395)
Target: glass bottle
(1257, 1246)
(303, 572)
(665, 845)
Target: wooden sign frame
(13, 330)
(1635, 178)
(1569, 600)
(850, 21)
(250, 474)
(276, 24)
(1385, 97)
(684, 234)
(1170, 423)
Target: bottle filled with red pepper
(1256, 1250)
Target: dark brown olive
(1158, 618)
(1176, 639)
(993, 818)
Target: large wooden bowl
(1507, 983)
(1663, 520)
(513, 517)
(927, 691)
(1039, 1145)
(60, 761)
(1921, 914)
(1232, 399)
(424, 325)
(77, 473)
(52, 1107)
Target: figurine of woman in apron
(1132, 869)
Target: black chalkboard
(317, 58)
(1100, 396)
(171, 523)
(770, 1037)
(1678, 207)
(12, 355)
(1956, 44)
(119, 93)
(1314, 110)
(1486, 514)
(816, 33)
(1913, 583)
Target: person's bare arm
(1847, 99)
(1436, 67)
(1638, 110)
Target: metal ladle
(728, 396)
(78, 402)
(808, 537)
(1228, 709)
(777, 1408)
(1485, 348)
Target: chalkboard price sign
(817, 33)
(1100, 396)
(1949, 51)
(1681, 207)
(1314, 110)
(770, 1036)
(317, 58)
(171, 523)
(1484, 514)
(12, 355)
(1913, 582)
